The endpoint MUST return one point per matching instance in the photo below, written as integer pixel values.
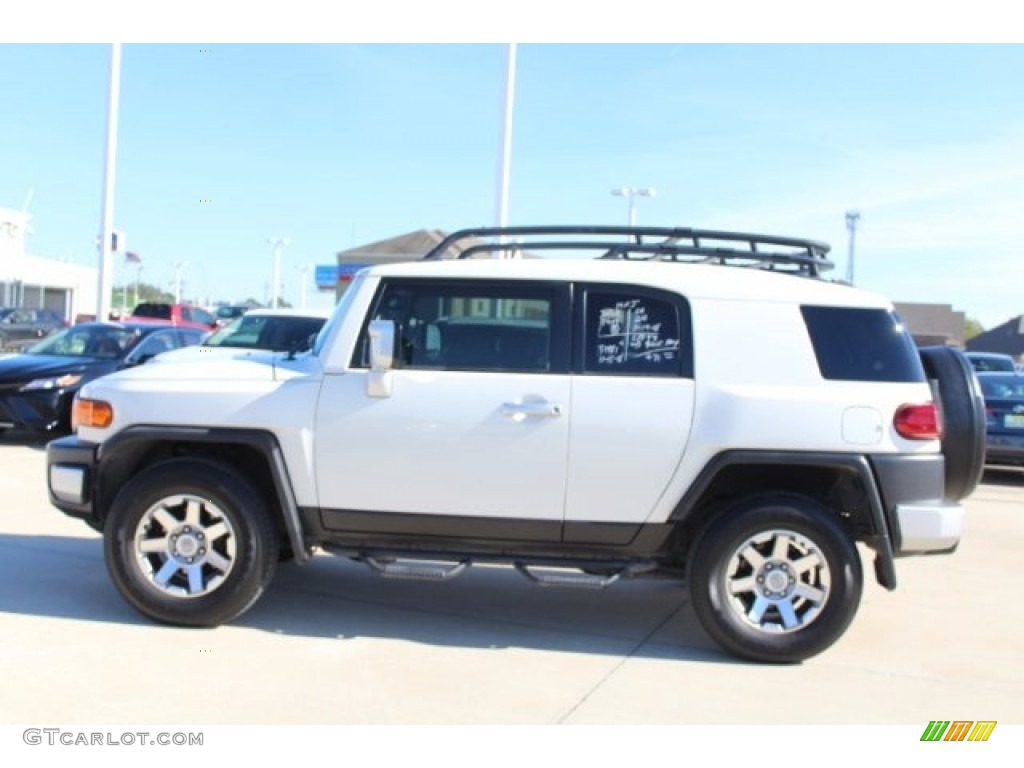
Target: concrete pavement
(331, 643)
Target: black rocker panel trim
(482, 535)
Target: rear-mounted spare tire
(963, 418)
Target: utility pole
(179, 267)
(279, 244)
(852, 217)
(304, 271)
(505, 154)
(106, 246)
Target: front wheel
(189, 542)
(775, 579)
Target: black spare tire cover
(963, 418)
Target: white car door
(632, 404)
(475, 422)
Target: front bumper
(71, 477)
(41, 409)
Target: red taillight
(918, 422)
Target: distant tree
(124, 296)
(972, 328)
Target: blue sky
(338, 145)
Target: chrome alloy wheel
(185, 546)
(778, 581)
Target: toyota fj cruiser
(688, 404)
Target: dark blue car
(38, 385)
(1004, 416)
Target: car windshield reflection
(101, 342)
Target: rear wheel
(189, 542)
(775, 579)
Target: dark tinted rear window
(162, 311)
(862, 345)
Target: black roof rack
(786, 254)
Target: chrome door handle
(531, 410)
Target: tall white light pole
(179, 268)
(304, 271)
(505, 154)
(279, 244)
(630, 193)
(852, 217)
(103, 287)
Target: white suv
(688, 404)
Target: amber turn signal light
(91, 413)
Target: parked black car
(277, 330)
(38, 386)
(1004, 416)
(21, 327)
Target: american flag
(132, 258)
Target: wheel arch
(256, 454)
(844, 483)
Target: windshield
(227, 313)
(280, 333)
(104, 342)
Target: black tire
(750, 576)
(182, 509)
(963, 418)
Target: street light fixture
(279, 244)
(630, 193)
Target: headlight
(54, 382)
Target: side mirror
(133, 360)
(382, 345)
(382, 358)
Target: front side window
(469, 326)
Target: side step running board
(554, 576)
(424, 570)
(581, 575)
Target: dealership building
(36, 282)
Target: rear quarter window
(857, 344)
(159, 311)
(629, 331)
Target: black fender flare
(878, 538)
(122, 455)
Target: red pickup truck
(184, 315)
